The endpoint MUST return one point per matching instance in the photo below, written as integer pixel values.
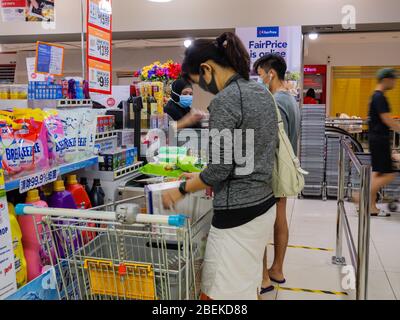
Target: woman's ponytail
(235, 52)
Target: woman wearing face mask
(180, 104)
(244, 114)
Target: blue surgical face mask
(186, 101)
(261, 81)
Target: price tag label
(99, 44)
(98, 14)
(38, 180)
(99, 76)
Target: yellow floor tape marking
(336, 293)
(308, 248)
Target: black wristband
(182, 188)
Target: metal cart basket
(107, 255)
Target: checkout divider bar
(360, 255)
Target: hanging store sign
(8, 283)
(99, 14)
(285, 41)
(99, 46)
(49, 59)
(99, 77)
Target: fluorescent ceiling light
(187, 43)
(313, 36)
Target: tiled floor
(312, 223)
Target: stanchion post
(364, 234)
(338, 259)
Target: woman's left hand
(170, 198)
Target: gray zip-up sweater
(241, 197)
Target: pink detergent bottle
(32, 247)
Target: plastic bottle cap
(47, 189)
(59, 186)
(71, 180)
(33, 196)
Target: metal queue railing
(359, 255)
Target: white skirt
(233, 262)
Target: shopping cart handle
(177, 221)
(20, 209)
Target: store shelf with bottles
(45, 104)
(9, 104)
(16, 182)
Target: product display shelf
(313, 148)
(63, 169)
(115, 175)
(59, 104)
(112, 181)
(10, 104)
(101, 136)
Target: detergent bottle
(47, 190)
(97, 194)
(61, 198)
(19, 256)
(85, 184)
(78, 192)
(30, 242)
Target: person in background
(271, 70)
(380, 123)
(180, 104)
(244, 205)
(310, 97)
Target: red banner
(99, 46)
(13, 3)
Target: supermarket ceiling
(141, 19)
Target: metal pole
(83, 39)
(364, 234)
(339, 259)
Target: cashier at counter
(179, 107)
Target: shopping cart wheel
(393, 206)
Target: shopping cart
(122, 254)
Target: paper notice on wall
(40, 10)
(32, 75)
(28, 10)
(12, 11)
(8, 283)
